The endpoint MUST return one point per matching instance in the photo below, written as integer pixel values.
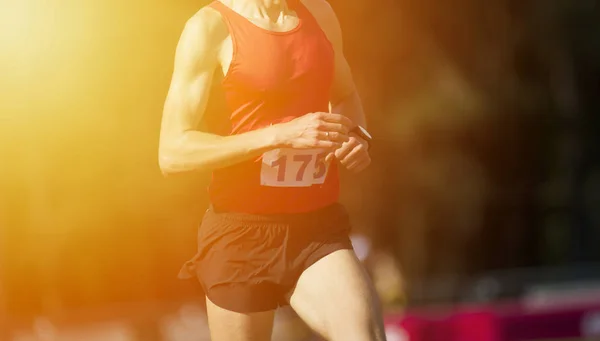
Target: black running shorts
(251, 263)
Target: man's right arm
(182, 148)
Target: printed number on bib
(293, 168)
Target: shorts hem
(326, 250)
(243, 298)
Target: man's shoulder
(319, 8)
(326, 17)
(208, 25)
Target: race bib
(293, 168)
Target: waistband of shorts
(331, 211)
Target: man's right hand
(315, 130)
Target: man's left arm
(344, 96)
(354, 154)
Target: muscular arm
(183, 148)
(344, 97)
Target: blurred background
(483, 201)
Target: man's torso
(273, 73)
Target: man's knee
(357, 330)
(361, 320)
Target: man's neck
(271, 4)
(272, 9)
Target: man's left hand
(353, 154)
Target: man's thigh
(336, 298)
(226, 325)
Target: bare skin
(336, 298)
(204, 46)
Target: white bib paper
(293, 167)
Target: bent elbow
(171, 165)
(175, 158)
(166, 164)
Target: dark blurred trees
(486, 118)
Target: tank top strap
(304, 14)
(236, 21)
(231, 18)
(298, 7)
(293, 4)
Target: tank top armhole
(222, 9)
(301, 9)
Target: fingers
(361, 166)
(358, 164)
(330, 157)
(327, 140)
(336, 118)
(326, 144)
(354, 156)
(350, 157)
(333, 136)
(322, 130)
(333, 127)
(342, 152)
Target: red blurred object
(502, 322)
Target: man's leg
(226, 325)
(336, 298)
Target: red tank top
(275, 77)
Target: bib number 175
(293, 168)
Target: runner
(274, 234)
